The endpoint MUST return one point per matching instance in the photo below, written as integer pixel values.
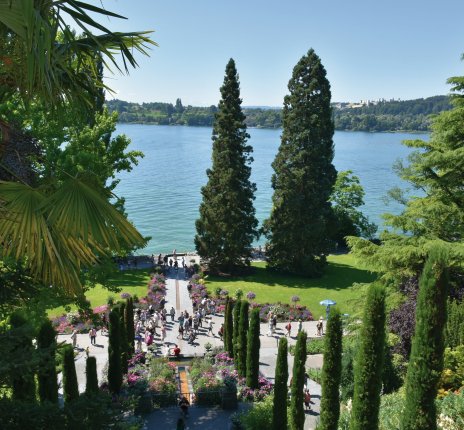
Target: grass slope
(133, 282)
(336, 284)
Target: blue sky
(370, 49)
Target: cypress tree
(114, 352)
(331, 372)
(297, 416)
(454, 330)
(279, 420)
(298, 229)
(124, 343)
(70, 386)
(426, 361)
(253, 345)
(46, 375)
(91, 378)
(228, 329)
(236, 335)
(369, 361)
(242, 339)
(227, 224)
(130, 329)
(22, 377)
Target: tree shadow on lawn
(130, 278)
(336, 277)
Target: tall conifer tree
(227, 224)
(369, 361)
(279, 420)
(228, 329)
(331, 372)
(114, 352)
(298, 229)
(70, 384)
(426, 361)
(129, 321)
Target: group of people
(189, 324)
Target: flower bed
(155, 376)
(285, 312)
(67, 323)
(211, 378)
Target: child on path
(307, 400)
(288, 327)
(210, 328)
(163, 332)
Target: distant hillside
(408, 115)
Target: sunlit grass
(336, 284)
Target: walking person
(172, 312)
(93, 336)
(300, 325)
(288, 327)
(163, 332)
(74, 338)
(307, 400)
(210, 328)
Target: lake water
(163, 192)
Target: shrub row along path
(204, 418)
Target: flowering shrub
(284, 312)
(224, 293)
(295, 299)
(125, 296)
(250, 295)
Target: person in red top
(176, 351)
(307, 400)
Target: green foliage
(369, 362)
(347, 196)
(114, 352)
(70, 386)
(279, 413)
(258, 417)
(22, 377)
(426, 360)
(347, 375)
(242, 339)
(129, 322)
(227, 225)
(252, 359)
(452, 376)
(46, 347)
(331, 372)
(297, 416)
(91, 378)
(236, 334)
(298, 228)
(454, 329)
(124, 344)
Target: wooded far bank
(395, 115)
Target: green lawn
(130, 281)
(336, 284)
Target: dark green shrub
(279, 420)
(22, 377)
(331, 372)
(236, 336)
(114, 352)
(252, 366)
(91, 386)
(70, 385)
(241, 365)
(426, 361)
(297, 416)
(369, 362)
(46, 375)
